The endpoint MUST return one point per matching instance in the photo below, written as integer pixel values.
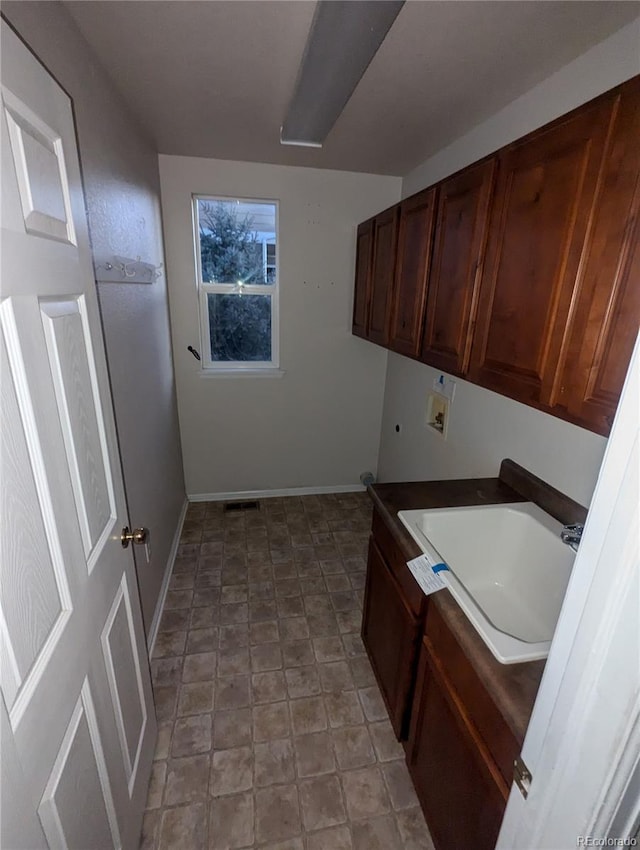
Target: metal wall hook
(124, 269)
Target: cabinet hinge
(521, 776)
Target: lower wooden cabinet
(459, 747)
(391, 633)
(462, 793)
(461, 750)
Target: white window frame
(238, 367)
(265, 255)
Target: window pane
(240, 327)
(237, 241)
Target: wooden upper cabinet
(544, 199)
(521, 272)
(607, 313)
(385, 237)
(362, 292)
(412, 267)
(458, 248)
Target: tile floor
(272, 730)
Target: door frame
(582, 746)
(25, 820)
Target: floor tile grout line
(343, 630)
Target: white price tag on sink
(423, 572)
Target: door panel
(40, 172)
(79, 782)
(608, 360)
(68, 345)
(453, 775)
(544, 199)
(608, 306)
(125, 680)
(385, 233)
(458, 251)
(35, 588)
(390, 633)
(32, 588)
(528, 207)
(75, 677)
(412, 268)
(362, 292)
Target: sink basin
(508, 571)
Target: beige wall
(120, 171)
(319, 424)
(485, 427)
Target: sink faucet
(572, 535)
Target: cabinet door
(461, 791)
(390, 632)
(458, 249)
(412, 266)
(362, 291)
(544, 199)
(385, 235)
(607, 314)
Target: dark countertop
(512, 686)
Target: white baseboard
(269, 494)
(155, 623)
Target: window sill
(241, 373)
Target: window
(236, 255)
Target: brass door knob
(138, 535)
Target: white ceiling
(214, 78)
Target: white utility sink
(508, 571)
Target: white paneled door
(78, 726)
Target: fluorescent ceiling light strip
(298, 143)
(344, 37)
